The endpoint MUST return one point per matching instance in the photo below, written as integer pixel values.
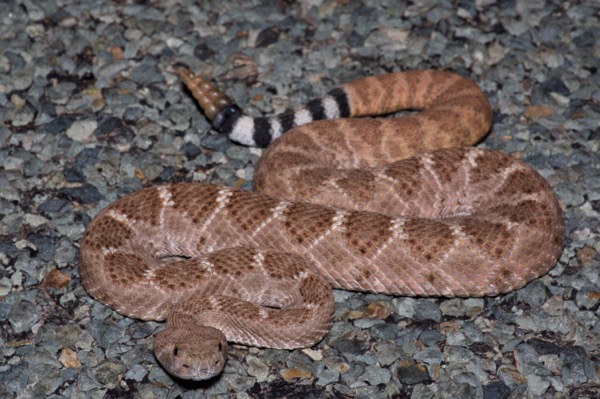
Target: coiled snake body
(394, 205)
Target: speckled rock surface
(91, 109)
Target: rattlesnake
(337, 207)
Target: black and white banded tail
(227, 118)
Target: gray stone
(240, 384)
(60, 93)
(429, 356)
(427, 310)
(55, 337)
(146, 74)
(576, 369)
(533, 294)
(376, 375)
(537, 385)
(412, 374)
(528, 361)
(387, 353)
(104, 333)
(5, 287)
(257, 368)
(86, 380)
(23, 315)
(587, 298)
(408, 336)
(462, 307)
(382, 330)
(496, 390)
(216, 142)
(431, 337)
(351, 375)
(19, 117)
(141, 329)
(82, 130)
(109, 373)
(4, 310)
(328, 376)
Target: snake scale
(401, 206)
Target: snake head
(197, 353)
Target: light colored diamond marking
(263, 313)
(120, 217)
(149, 275)
(258, 260)
(223, 197)
(336, 221)
(165, 195)
(277, 212)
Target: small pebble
(82, 131)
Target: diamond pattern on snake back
(494, 239)
(125, 276)
(528, 212)
(144, 205)
(197, 204)
(407, 173)
(358, 185)
(445, 165)
(519, 182)
(488, 163)
(427, 239)
(108, 233)
(306, 222)
(249, 210)
(366, 232)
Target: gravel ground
(91, 109)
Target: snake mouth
(191, 352)
(188, 369)
(198, 374)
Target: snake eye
(220, 347)
(175, 351)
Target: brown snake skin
(359, 204)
